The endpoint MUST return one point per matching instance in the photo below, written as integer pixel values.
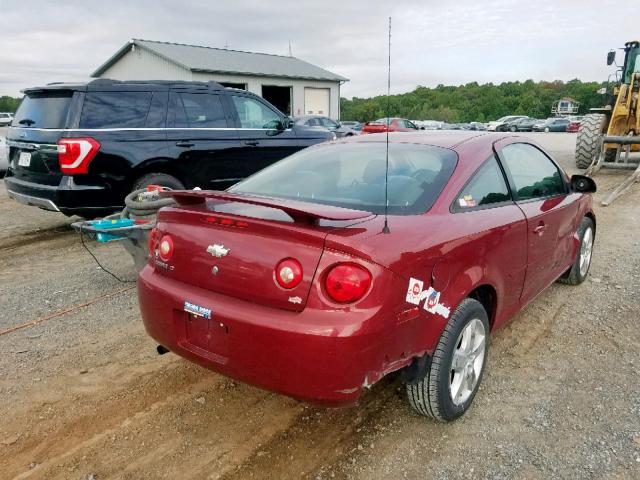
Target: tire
(430, 395)
(513, 129)
(592, 127)
(580, 268)
(161, 179)
(546, 130)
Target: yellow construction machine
(609, 135)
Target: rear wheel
(513, 129)
(546, 129)
(580, 268)
(592, 128)
(161, 179)
(449, 386)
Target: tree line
(473, 102)
(9, 104)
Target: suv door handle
(252, 143)
(184, 144)
(539, 230)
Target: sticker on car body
(431, 296)
(197, 310)
(414, 291)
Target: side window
(254, 114)
(313, 122)
(115, 109)
(533, 173)
(157, 110)
(409, 124)
(198, 110)
(328, 123)
(487, 186)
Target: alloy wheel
(586, 249)
(467, 361)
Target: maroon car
(389, 125)
(300, 281)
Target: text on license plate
(25, 159)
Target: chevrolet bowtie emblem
(218, 251)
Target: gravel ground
(84, 395)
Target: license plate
(25, 159)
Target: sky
(433, 42)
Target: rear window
(115, 109)
(43, 110)
(352, 175)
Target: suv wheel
(447, 389)
(161, 179)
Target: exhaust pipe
(162, 350)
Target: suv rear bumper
(67, 197)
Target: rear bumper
(320, 357)
(67, 197)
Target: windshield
(352, 175)
(43, 110)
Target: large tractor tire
(593, 127)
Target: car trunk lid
(231, 244)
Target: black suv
(80, 149)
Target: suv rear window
(115, 109)
(43, 110)
(352, 175)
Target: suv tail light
(347, 282)
(289, 273)
(75, 154)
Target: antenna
(385, 229)
(290, 48)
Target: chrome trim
(33, 201)
(43, 147)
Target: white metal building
(293, 85)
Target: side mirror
(582, 184)
(611, 57)
(287, 122)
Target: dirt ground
(84, 395)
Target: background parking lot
(83, 392)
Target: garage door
(316, 101)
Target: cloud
(432, 42)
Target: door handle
(184, 144)
(539, 230)
(252, 143)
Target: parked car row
(521, 123)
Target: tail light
(347, 282)
(153, 241)
(289, 273)
(165, 248)
(75, 154)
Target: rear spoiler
(302, 212)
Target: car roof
(437, 138)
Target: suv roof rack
(109, 81)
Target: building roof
(219, 60)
